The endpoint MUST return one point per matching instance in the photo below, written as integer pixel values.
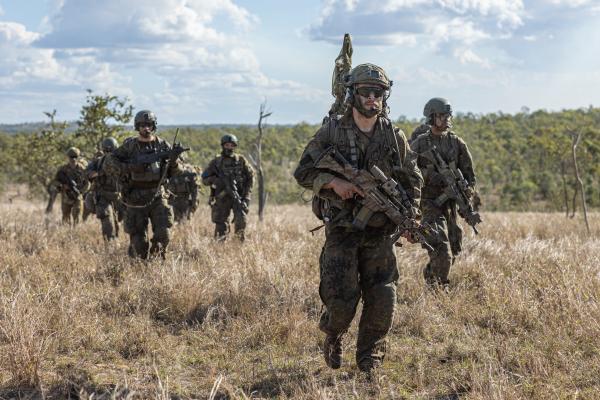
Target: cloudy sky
(215, 61)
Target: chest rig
(381, 149)
(150, 172)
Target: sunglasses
(367, 90)
(145, 124)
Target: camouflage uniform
(183, 193)
(418, 131)
(233, 167)
(107, 205)
(355, 264)
(72, 202)
(145, 201)
(444, 219)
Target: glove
(246, 204)
(469, 191)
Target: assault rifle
(72, 191)
(231, 188)
(456, 187)
(382, 194)
(153, 156)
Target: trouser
(182, 207)
(160, 216)
(355, 265)
(107, 212)
(220, 212)
(447, 240)
(71, 209)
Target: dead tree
(576, 139)
(257, 160)
(563, 173)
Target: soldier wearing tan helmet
(358, 264)
(71, 181)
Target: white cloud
(468, 56)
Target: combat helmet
(229, 138)
(144, 116)
(73, 152)
(109, 144)
(368, 73)
(437, 105)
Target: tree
(37, 156)
(101, 116)
(257, 160)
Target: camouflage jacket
(184, 185)
(103, 182)
(221, 168)
(452, 149)
(418, 131)
(387, 148)
(67, 175)
(139, 182)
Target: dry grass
(237, 321)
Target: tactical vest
(152, 172)
(235, 168)
(104, 182)
(388, 155)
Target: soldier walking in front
(439, 210)
(142, 186)
(355, 263)
(230, 178)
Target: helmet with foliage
(144, 117)
(73, 152)
(228, 138)
(368, 73)
(109, 144)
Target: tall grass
(79, 319)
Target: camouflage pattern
(140, 192)
(444, 218)
(105, 199)
(418, 131)
(355, 264)
(221, 202)
(71, 202)
(183, 193)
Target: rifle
(456, 186)
(231, 188)
(342, 66)
(72, 191)
(153, 156)
(382, 194)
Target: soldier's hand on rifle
(409, 237)
(469, 191)
(343, 188)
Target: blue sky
(215, 61)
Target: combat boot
(332, 351)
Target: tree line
(523, 161)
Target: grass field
(231, 321)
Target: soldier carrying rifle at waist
(71, 181)
(355, 202)
(230, 178)
(447, 167)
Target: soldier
(141, 186)
(107, 205)
(71, 181)
(442, 218)
(355, 264)
(230, 177)
(183, 193)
